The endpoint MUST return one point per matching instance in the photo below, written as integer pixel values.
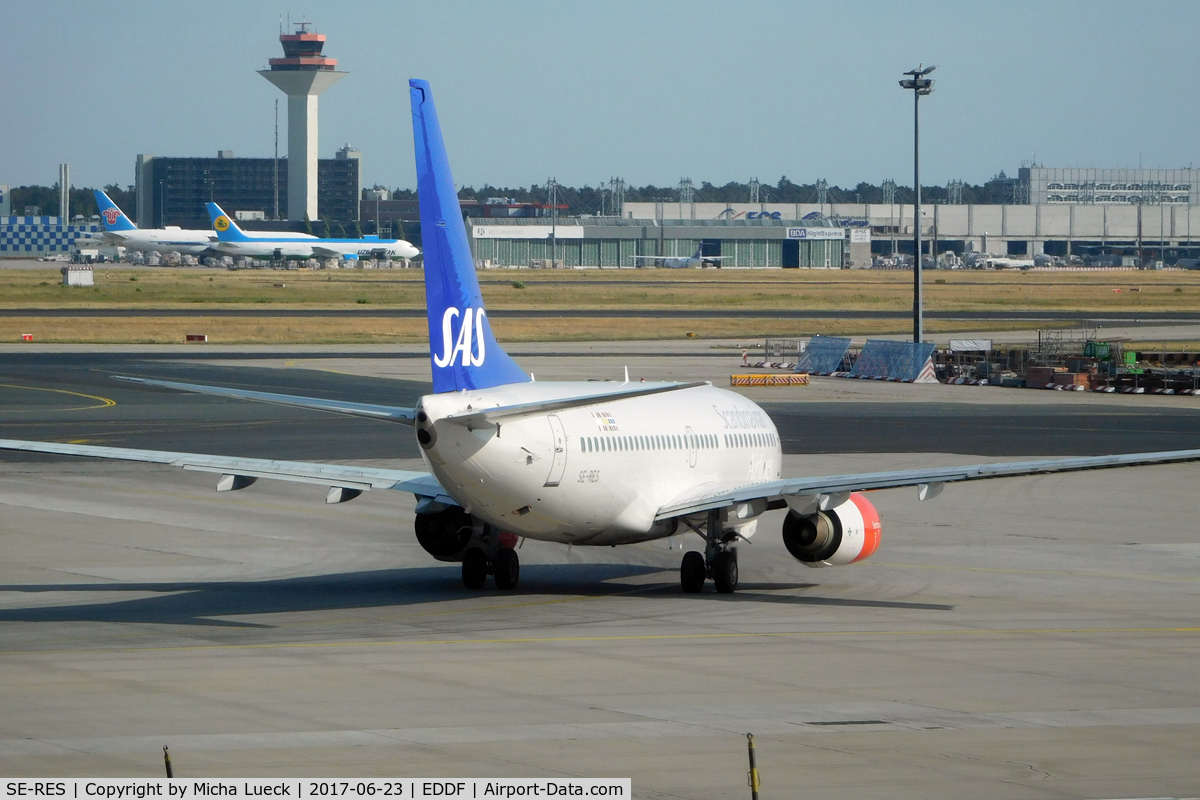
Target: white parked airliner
(696, 261)
(232, 240)
(577, 463)
(120, 231)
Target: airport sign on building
(816, 233)
(526, 231)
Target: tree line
(580, 200)
(598, 200)
(83, 201)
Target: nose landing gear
(719, 560)
(504, 565)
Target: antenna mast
(276, 162)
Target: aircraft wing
(325, 252)
(345, 482)
(370, 410)
(491, 416)
(929, 480)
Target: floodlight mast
(920, 85)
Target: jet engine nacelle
(840, 535)
(446, 534)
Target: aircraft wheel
(725, 571)
(692, 572)
(474, 568)
(507, 568)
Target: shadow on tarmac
(207, 603)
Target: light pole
(920, 85)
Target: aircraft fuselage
(595, 475)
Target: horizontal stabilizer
(493, 415)
(370, 410)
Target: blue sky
(647, 91)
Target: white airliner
(577, 462)
(676, 262)
(232, 240)
(120, 231)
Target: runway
(34, 391)
(1031, 638)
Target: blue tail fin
(463, 351)
(114, 218)
(227, 230)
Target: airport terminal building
(173, 191)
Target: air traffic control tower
(303, 73)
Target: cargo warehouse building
(614, 242)
(1168, 228)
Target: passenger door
(559, 463)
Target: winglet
(114, 218)
(227, 230)
(463, 351)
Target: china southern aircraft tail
(463, 352)
(114, 218)
(227, 230)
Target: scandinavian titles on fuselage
(740, 418)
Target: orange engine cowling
(841, 535)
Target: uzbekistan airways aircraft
(577, 463)
(232, 240)
(118, 230)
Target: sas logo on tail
(469, 341)
(221, 223)
(111, 215)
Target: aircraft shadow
(764, 593)
(199, 603)
(211, 603)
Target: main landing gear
(505, 566)
(719, 560)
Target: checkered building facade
(40, 235)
